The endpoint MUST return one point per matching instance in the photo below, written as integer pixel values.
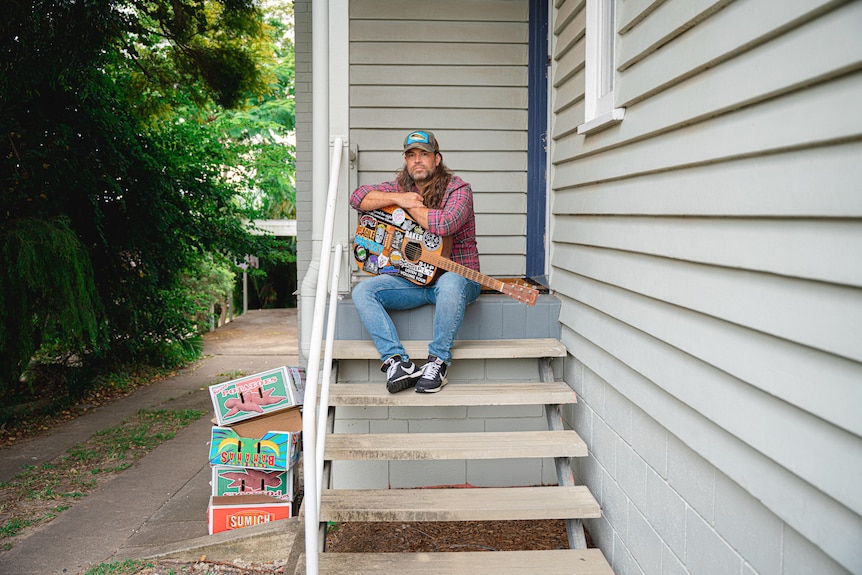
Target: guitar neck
(470, 274)
(520, 293)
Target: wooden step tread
(462, 349)
(454, 394)
(552, 562)
(453, 504)
(438, 446)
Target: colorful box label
(230, 481)
(228, 513)
(274, 450)
(270, 442)
(258, 394)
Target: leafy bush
(119, 220)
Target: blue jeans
(450, 293)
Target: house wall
(458, 69)
(706, 252)
(413, 66)
(304, 196)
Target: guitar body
(385, 236)
(388, 241)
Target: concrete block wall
(492, 316)
(665, 509)
(397, 474)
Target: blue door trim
(537, 139)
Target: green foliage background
(137, 138)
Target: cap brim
(421, 146)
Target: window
(599, 111)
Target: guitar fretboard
(463, 270)
(521, 293)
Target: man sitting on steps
(442, 203)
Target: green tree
(113, 183)
(44, 267)
(264, 127)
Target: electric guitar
(389, 241)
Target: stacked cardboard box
(254, 448)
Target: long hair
(436, 188)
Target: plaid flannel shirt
(455, 218)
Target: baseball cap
(422, 139)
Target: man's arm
(410, 201)
(376, 199)
(457, 210)
(419, 215)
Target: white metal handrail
(309, 410)
(323, 406)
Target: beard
(421, 175)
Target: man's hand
(375, 199)
(419, 215)
(409, 200)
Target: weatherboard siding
(706, 252)
(458, 69)
(304, 195)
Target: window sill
(599, 123)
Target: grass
(13, 526)
(47, 402)
(39, 493)
(127, 567)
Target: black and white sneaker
(433, 376)
(400, 374)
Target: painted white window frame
(600, 68)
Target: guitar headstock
(522, 293)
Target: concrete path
(157, 507)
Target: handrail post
(309, 410)
(323, 406)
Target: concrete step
(553, 562)
(453, 504)
(438, 446)
(454, 394)
(462, 348)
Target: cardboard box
(232, 481)
(227, 513)
(269, 442)
(255, 395)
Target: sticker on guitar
(388, 241)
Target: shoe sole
(433, 390)
(401, 384)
